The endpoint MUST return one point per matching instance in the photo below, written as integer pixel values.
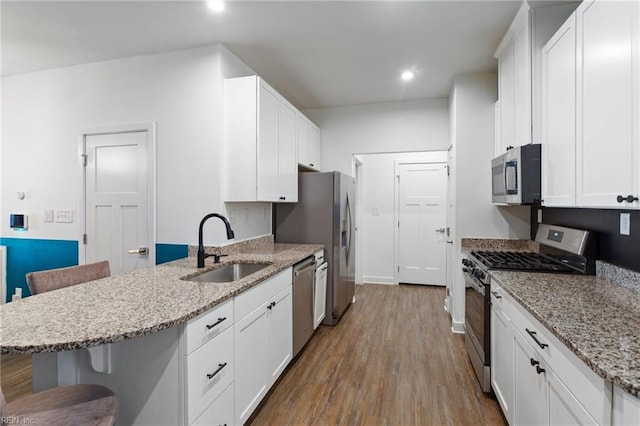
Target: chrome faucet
(201, 254)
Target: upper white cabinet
(607, 100)
(259, 143)
(308, 136)
(519, 64)
(559, 117)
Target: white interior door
(117, 191)
(451, 226)
(422, 223)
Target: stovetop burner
(521, 261)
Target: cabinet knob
(311, 164)
(510, 147)
(539, 369)
(629, 198)
(534, 362)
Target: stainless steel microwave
(515, 176)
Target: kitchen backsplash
(613, 248)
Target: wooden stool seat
(72, 405)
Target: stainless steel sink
(230, 272)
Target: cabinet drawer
(208, 325)
(246, 302)
(220, 412)
(209, 372)
(591, 390)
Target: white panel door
(116, 195)
(422, 223)
(268, 175)
(287, 153)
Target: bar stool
(53, 279)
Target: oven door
(477, 330)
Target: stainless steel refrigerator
(324, 214)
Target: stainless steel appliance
(515, 176)
(303, 274)
(562, 250)
(324, 215)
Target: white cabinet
(559, 117)
(263, 340)
(308, 136)
(608, 111)
(320, 294)
(547, 384)
(220, 412)
(501, 354)
(530, 391)
(626, 408)
(519, 64)
(259, 138)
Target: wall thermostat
(19, 222)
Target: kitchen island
(134, 333)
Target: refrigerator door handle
(348, 227)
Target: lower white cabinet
(263, 340)
(501, 355)
(537, 379)
(220, 412)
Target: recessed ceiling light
(407, 75)
(216, 6)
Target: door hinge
(398, 268)
(84, 238)
(398, 224)
(447, 167)
(84, 160)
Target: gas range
(562, 250)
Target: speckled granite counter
(130, 305)
(468, 245)
(595, 318)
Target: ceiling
(316, 53)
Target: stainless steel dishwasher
(303, 275)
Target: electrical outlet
(625, 224)
(48, 215)
(64, 216)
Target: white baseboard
(370, 279)
(457, 327)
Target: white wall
(378, 212)
(379, 128)
(472, 108)
(45, 112)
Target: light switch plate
(48, 215)
(625, 224)
(64, 216)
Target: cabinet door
(279, 333)
(530, 402)
(314, 147)
(564, 408)
(522, 87)
(220, 412)
(507, 100)
(319, 295)
(501, 356)
(250, 366)
(287, 153)
(558, 117)
(607, 98)
(267, 174)
(302, 136)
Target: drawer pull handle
(628, 198)
(496, 294)
(271, 305)
(220, 367)
(539, 370)
(534, 336)
(210, 326)
(534, 362)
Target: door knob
(441, 230)
(143, 251)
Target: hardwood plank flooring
(391, 360)
(15, 376)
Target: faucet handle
(216, 257)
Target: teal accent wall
(168, 252)
(28, 255)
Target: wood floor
(391, 360)
(15, 375)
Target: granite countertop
(596, 318)
(133, 304)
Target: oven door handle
(476, 285)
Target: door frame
(357, 169)
(150, 128)
(396, 208)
